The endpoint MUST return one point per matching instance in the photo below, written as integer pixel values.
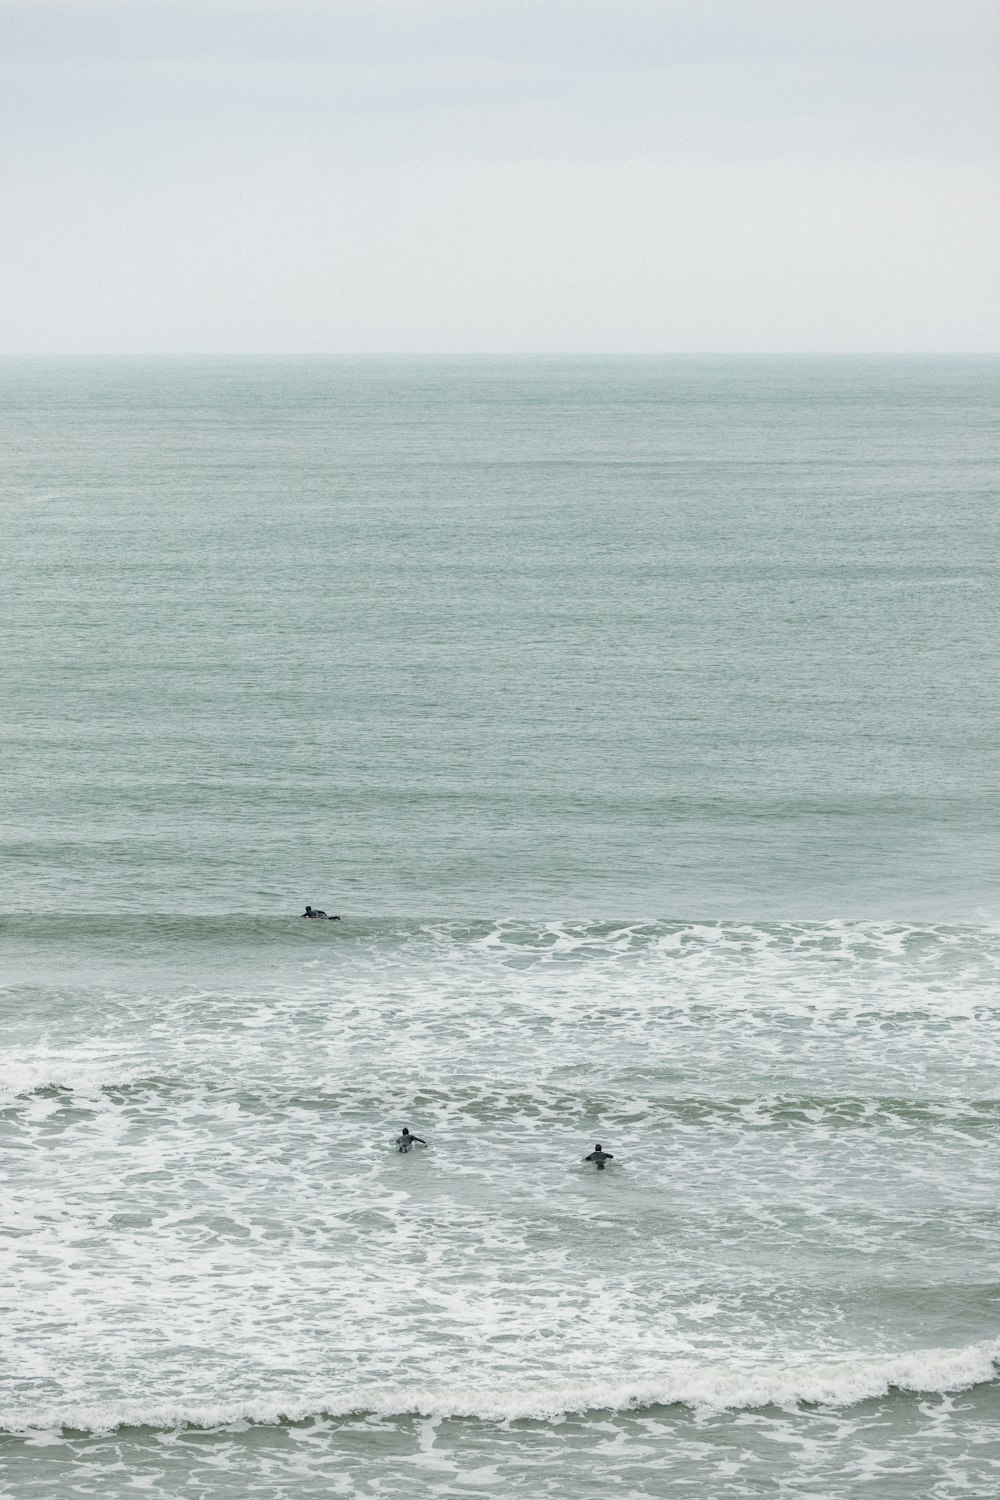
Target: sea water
(640, 720)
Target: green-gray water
(640, 719)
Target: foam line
(715, 1387)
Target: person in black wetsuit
(406, 1141)
(599, 1156)
(320, 914)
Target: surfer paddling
(321, 915)
(405, 1141)
(599, 1157)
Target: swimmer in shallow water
(599, 1156)
(406, 1141)
(320, 914)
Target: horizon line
(484, 354)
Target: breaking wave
(837, 1383)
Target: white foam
(240, 1209)
(839, 1383)
(65, 1072)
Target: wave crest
(841, 1382)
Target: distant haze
(325, 176)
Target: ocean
(640, 720)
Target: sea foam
(835, 1383)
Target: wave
(751, 1112)
(828, 1383)
(59, 1076)
(556, 935)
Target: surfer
(320, 914)
(405, 1141)
(599, 1156)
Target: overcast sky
(354, 176)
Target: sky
(499, 176)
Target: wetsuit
(404, 1142)
(599, 1158)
